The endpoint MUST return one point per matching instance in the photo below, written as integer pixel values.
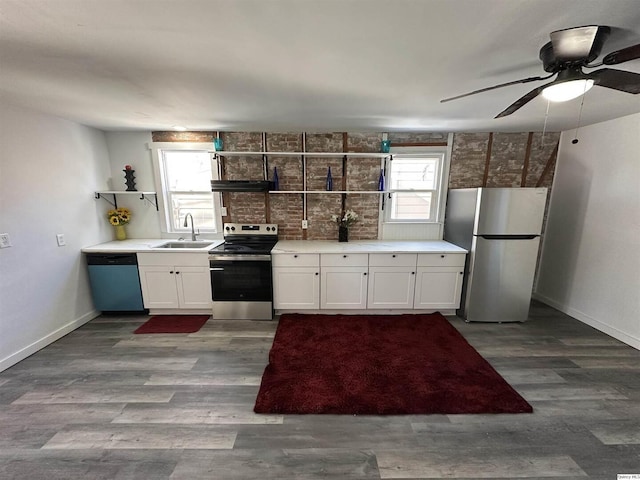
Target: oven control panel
(250, 229)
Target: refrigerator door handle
(508, 237)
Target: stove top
(261, 248)
(254, 239)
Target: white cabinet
(343, 281)
(296, 281)
(367, 281)
(392, 278)
(175, 280)
(439, 281)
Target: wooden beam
(547, 167)
(487, 159)
(527, 156)
(345, 148)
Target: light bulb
(561, 92)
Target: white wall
(131, 148)
(590, 264)
(49, 170)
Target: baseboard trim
(592, 322)
(46, 340)
(443, 311)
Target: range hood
(241, 185)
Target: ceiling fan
(568, 52)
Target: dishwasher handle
(112, 259)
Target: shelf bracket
(102, 195)
(153, 201)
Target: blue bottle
(381, 181)
(276, 180)
(329, 180)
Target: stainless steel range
(241, 281)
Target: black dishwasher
(115, 282)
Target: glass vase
(121, 233)
(343, 234)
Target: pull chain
(575, 135)
(544, 128)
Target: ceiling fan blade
(617, 79)
(522, 101)
(623, 55)
(580, 43)
(515, 82)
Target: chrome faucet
(193, 232)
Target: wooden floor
(102, 403)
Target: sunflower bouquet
(119, 216)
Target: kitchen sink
(179, 244)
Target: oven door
(241, 278)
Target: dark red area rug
(173, 324)
(379, 364)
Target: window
(185, 187)
(414, 185)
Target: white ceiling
(301, 65)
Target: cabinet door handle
(171, 271)
(365, 274)
(393, 256)
(413, 273)
(177, 273)
(295, 256)
(442, 256)
(344, 256)
(317, 273)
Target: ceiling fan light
(561, 92)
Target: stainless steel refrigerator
(500, 227)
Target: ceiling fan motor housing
(573, 42)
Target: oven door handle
(216, 269)
(240, 258)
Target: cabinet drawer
(344, 260)
(392, 259)
(296, 260)
(441, 259)
(187, 259)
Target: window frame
(439, 193)
(164, 196)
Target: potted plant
(349, 218)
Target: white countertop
(365, 246)
(136, 245)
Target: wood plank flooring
(102, 403)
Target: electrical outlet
(5, 241)
(223, 211)
(305, 223)
(60, 239)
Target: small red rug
(379, 365)
(173, 324)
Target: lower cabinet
(392, 279)
(296, 281)
(367, 281)
(438, 287)
(183, 285)
(344, 281)
(439, 281)
(296, 288)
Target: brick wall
(507, 165)
(507, 159)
